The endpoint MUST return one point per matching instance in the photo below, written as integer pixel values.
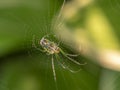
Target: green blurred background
(91, 25)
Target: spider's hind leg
(72, 55)
(54, 72)
(66, 67)
(62, 64)
(71, 59)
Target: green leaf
(35, 73)
(23, 67)
(110, 80)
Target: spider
(51, 48)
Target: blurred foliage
(24, 68)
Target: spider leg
(33, 45)
(54, 73)
(74, 60)
(62, 64)
(46, 36)
(71, 58)
(73, 55)
(74, 71)
(53, 68)
(66, 67)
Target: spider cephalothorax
(49, 46)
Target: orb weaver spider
(51, 48)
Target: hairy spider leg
(62, 64)
(73, 55)
(71, 58)
(47, 36)
(53, 68)
(54, 73)
(34, 45)
(66, 67)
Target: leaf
(110, 80)
(20, 20)
(34, 73)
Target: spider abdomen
(49, 46)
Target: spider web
(36, 25)
(39, 24)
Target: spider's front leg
(34, 45)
